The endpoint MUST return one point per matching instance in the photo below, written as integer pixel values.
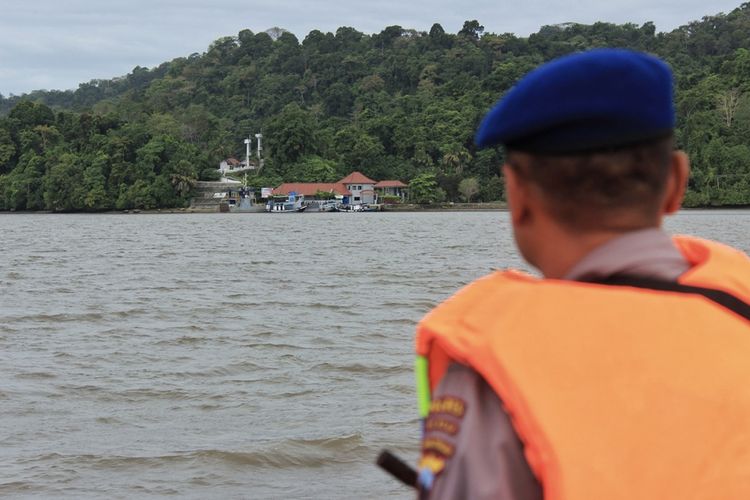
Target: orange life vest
(616, 392)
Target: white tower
(248, 147)
(259, 137)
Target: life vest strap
(724, 299)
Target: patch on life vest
(448, 405)
(437, 424)
(433, 463)
(438, 446)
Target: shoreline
(407, 208)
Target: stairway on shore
(203, 195)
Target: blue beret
(592, 100)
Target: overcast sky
(57, 44)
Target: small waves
(419, 304)
(36, 376)
(73, 317)
(150, 395)
(271, 345)
(58, 318)
(295, 394)
(329, 307)
(109, 421)
(186, 340)
(400, 321)
(288, 453)
(307, 453)
(240, 368)
(360, 368)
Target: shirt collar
(649, 253)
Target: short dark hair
(599, 189)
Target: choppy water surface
(229, 355)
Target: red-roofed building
(310, 189)
(356, 189)
(391, 188)
(357, 178)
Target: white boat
(290, 204)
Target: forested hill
(400, 104)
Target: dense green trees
(399, 104)
(424, 189)
(81, 162)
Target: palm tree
(183, 184)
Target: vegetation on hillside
(400, 104)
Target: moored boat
(290, 204)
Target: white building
(361, 187)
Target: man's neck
(563, 249)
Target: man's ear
(679, 172)
(517, 194)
